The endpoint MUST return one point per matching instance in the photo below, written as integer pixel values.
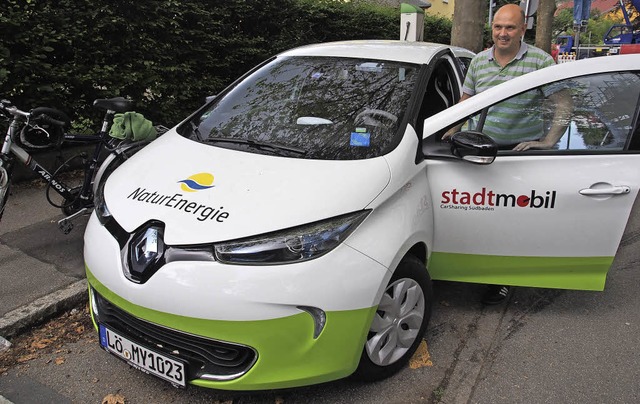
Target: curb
(4, 400)
(18, 320)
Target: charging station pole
(412, 22)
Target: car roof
(399, 51)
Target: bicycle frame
(24, 157)
(11, 148)
(78, 200)
(102, 141)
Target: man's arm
(464, 97)
(562, 116)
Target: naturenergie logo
(193, 183)
(197, 182)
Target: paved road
(36, 259)
(543, 346)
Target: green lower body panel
(580, 273)
(288, 354)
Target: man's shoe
(495, 295)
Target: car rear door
(550, 218)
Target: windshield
(311, 107)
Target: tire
(5, 189)
(6, 173)
(397, 328)
(68, 174)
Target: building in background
(443, 8)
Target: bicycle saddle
(118, 104)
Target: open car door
(547, 218)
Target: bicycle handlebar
(51, 116)
(7, 107)
(47, 119)
(45, 115)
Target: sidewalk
(41, 269)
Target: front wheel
(67, 176)
(399, 322)
(5, 188)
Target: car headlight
(114, 160)
(292, 245)
(102, 211)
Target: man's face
(507, 30)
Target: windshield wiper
(272, 147)
(195, 130)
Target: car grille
(206, 358)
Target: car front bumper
(297, 324)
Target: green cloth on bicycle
(132, 126)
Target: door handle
(606, 191)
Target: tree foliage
(597, 26)
(167, 55)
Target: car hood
(207, 194)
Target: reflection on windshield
(329, 108)
(601, 114)
(603, 111)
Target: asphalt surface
(541, 346)
(41, 269)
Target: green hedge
(165, 54)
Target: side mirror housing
(475, 147)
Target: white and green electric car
(288, 231)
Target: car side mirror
(473, 146)
(209, 98)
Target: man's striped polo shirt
(516, 119)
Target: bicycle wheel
(70, 176)
(5, 188)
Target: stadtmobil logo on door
(487, 200)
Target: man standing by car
(509, 57)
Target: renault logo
(145, 254)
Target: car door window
(441, 92)
(592, 113)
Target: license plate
(142, 358)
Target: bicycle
(44, 127)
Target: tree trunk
(544, 22)
(469, 19)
